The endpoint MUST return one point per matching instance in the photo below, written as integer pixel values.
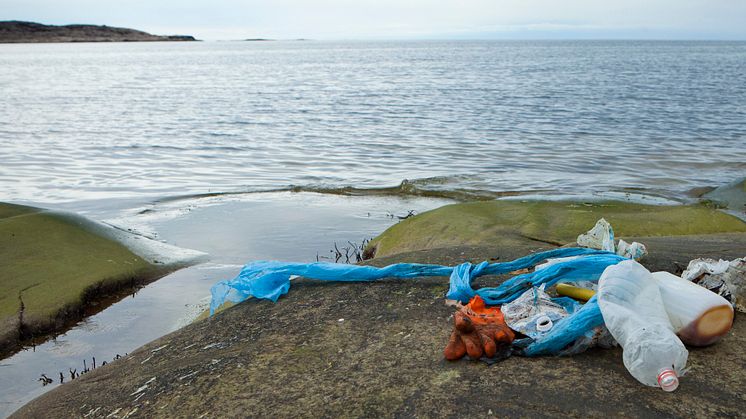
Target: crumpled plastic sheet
(725, 278)
(534, 306)
(632, 250)
(587, 268)
(570, 336)
(270, 280)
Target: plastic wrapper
(596, 337)
(534, 313)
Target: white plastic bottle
(633, 311)
(698, 316)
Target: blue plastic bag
(270, 280)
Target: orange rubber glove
(479, 330)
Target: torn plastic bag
(588, 267)
(594, 336)
(725, 278)
(580, 284)
(270, 280)
(601, 236)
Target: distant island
(14, 31)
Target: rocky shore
(30, 32)
(56, 267)
(372, 349)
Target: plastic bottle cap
(544, 323)
(668, 380)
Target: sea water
(108, 121)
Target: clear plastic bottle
(633, 311)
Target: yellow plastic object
(583, 294)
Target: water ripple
(95, 121)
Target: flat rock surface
(375, 349)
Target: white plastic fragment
(632, 250)
(601, 237)
(700, 267)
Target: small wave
(424, 187)
(454, 188)
(419, 188)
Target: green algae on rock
(53, 264)
(553, 222)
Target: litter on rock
(651, 315)
(601, 236)
(725, 278)
(578, 293)
(479, 331)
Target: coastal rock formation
(53, 265)
(376, 349)
(557, 223)
(14, 31)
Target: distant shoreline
(12, 32)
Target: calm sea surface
(81, 122)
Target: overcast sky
(400, 19)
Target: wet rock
(53, 265)
(514, 223)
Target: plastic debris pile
(725, 278)
(648, 314)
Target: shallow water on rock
(233, 230)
